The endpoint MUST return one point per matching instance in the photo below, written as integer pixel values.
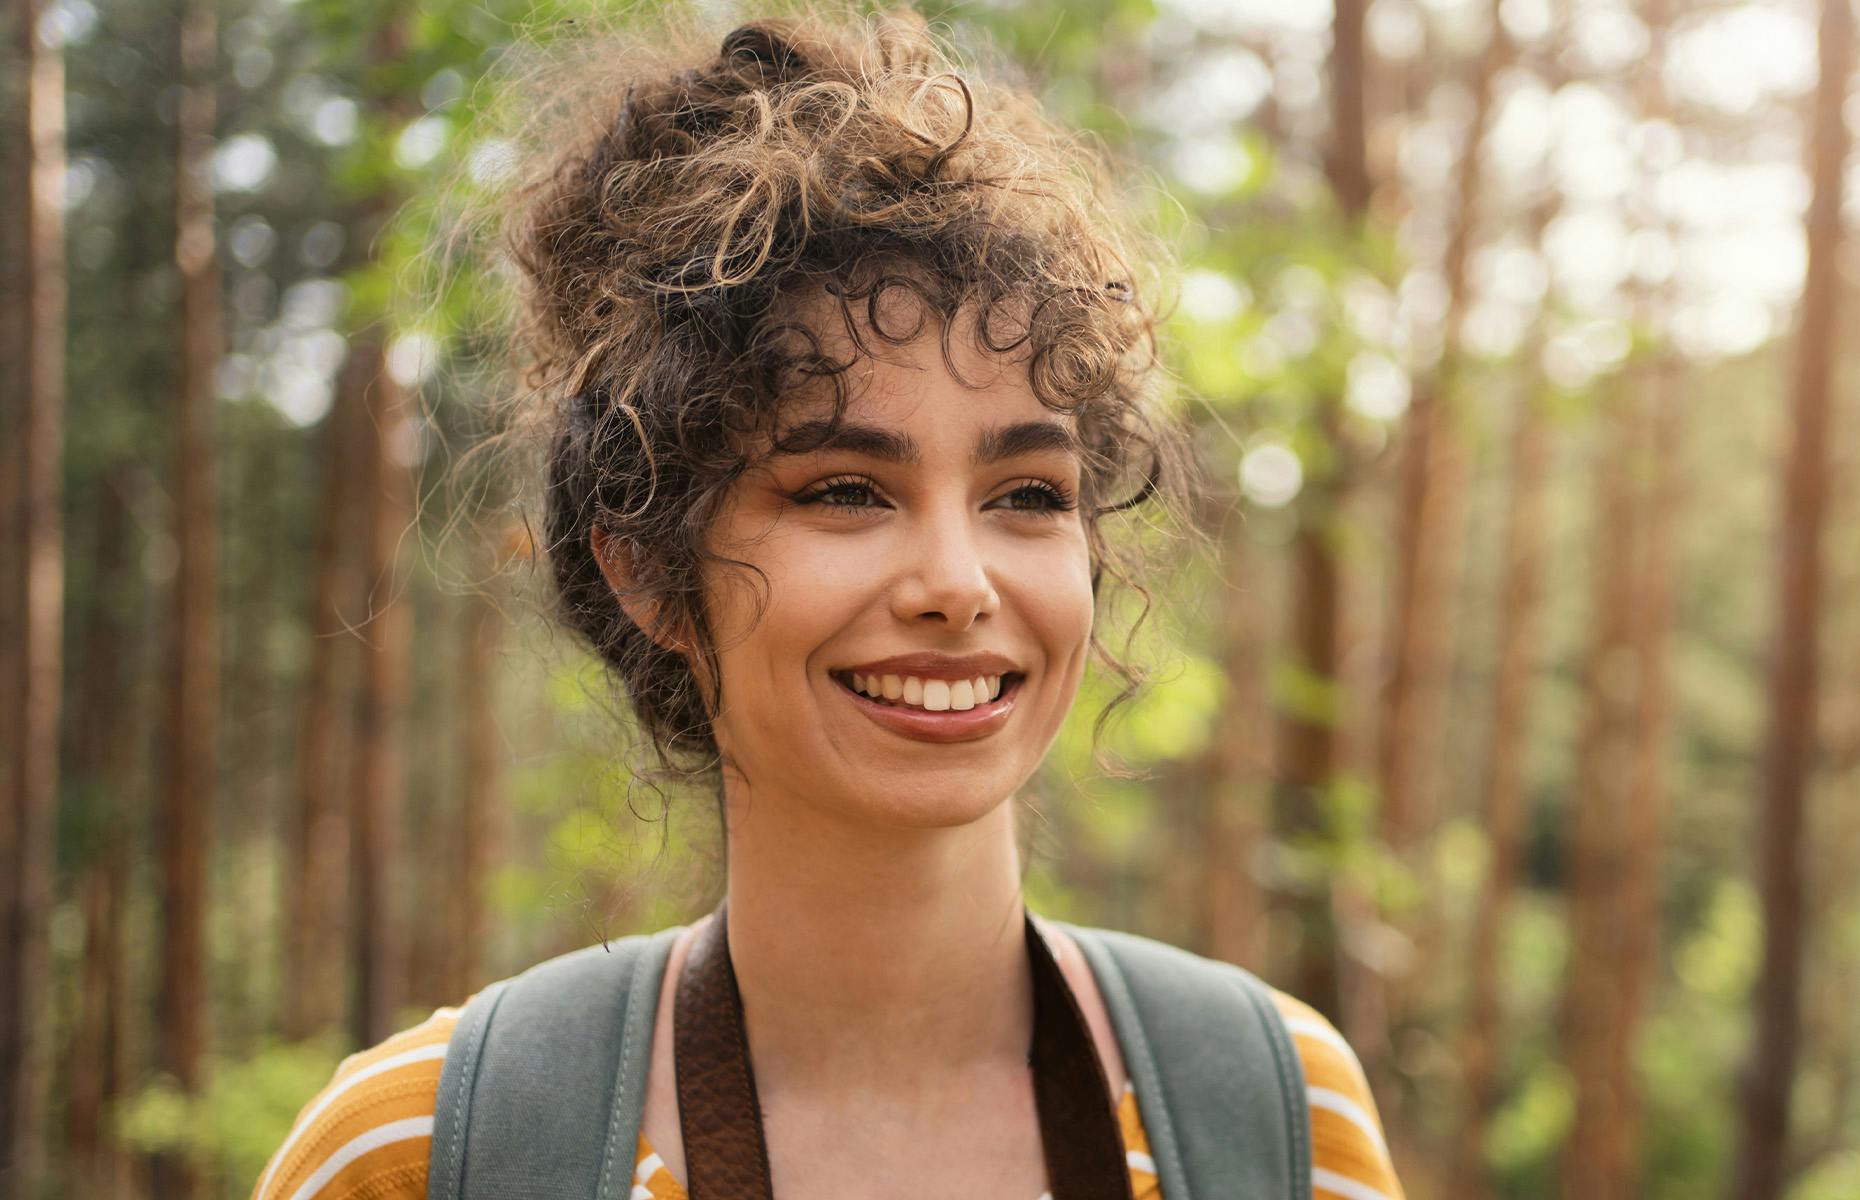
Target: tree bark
(1644, 814)
(377, 797)
(1429, 505)
(481, 788)
(1433, 477)
(1595, 845)
(1520, 595)
(377, 801)
(37, 608)
(15, 310)
(317, 877)
(1239, 763)
(1308, 740)
(1348, 163)
(1764, 1117)
(186, 805)
(1643, 820)
(105, 765)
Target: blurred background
(1512, 717)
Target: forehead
(929, 382)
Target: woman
(850, 365)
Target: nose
(946, 578)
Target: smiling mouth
(919, 694)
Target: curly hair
(670, 231)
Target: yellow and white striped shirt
(366, 1136)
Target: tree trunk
(317, 877)
(1236, 766)
(1433, 472)
(1643, 817)
(1595, 841)
(105, 765)
(1763, 1132)
(1429, 504)
(1504, 812)
(480, 788)
(1348, 161)
(38, 608)
(15, 321)
(377, 800)
(435, 802)
(377, 796)
(186, 806)
(1308, 740)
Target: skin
(875, 910)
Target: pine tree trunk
(1429, 504)
(1644, 814)
(37, 608)
(480, 789)
(377, 799)
(186, 804)
(1503, 792)
(435, 805)
(1763, 1132)
(1643, 817)
(377, 796)
(1237, 767)
(1596, 847)
(15, 321)
(1433, 478)
(1308, 741)
(106, 768)
(317, 879)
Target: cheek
(770, 614)
(1055, 594)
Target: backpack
(544, 1079)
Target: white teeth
(933, 695)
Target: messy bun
(672, 226)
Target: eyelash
(1055, 498)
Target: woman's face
(928, 593)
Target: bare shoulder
(1084, 985)
(369, 1131)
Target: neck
(876, 957)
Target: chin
(917, 800)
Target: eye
(845, 493)
(1039, 497)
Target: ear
(610, 554)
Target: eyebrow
(891, 445)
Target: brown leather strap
(726, 1151)
(1078, 1127)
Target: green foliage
(1835, 1178)
(1529, 1127)
(231, 1129)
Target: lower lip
(948, 726)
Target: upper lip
(927, 665)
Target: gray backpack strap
(1218, 1080)
(545, 1077)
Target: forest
(1505, 693)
